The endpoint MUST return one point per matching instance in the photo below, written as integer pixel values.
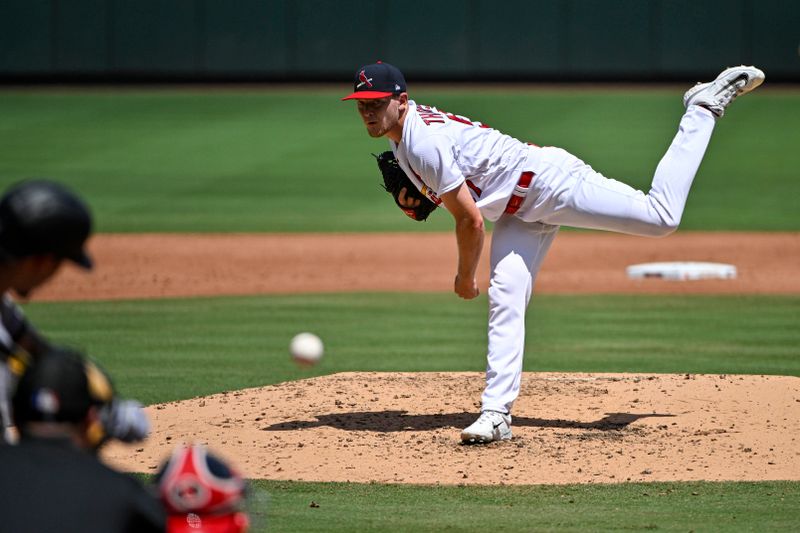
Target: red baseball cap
(377, 80)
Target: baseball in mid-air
(306, 348)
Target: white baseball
(306, 348)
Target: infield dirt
(568, 428)
(168, 265)
(404, 428)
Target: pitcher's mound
(568, 428)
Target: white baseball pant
(567, 191)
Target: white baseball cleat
(718, 94)
(489, 427)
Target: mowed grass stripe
(694, 506)
(202, 160)
(770, 506)
(162, 350)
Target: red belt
(519, 193)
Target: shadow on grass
(390, 421)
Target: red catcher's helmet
(192, 523)
(201, 493)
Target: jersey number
(465, 120)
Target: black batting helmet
(44, 217)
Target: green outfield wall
(430, 39)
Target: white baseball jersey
(439, 151)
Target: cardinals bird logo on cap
(362, 76)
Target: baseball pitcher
(528, 191)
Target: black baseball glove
(395, 180)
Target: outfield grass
(161, 350)
(298, 160)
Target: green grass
(696, 506)
(298, 160)
(161, 350)
(772, 506)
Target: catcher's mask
(201, 493)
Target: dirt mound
(568, 428)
